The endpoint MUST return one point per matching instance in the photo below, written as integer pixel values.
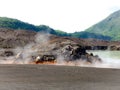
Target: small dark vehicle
(45, 58)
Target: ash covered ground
(28, 47)
(50, 49)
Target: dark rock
(115, 47)
(8, 53)
(77, 52)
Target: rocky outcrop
(15, 38)
(66, 50)
(45, 47)
(77, 52)
(114, 47)
(19, 38)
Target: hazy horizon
(66, 15)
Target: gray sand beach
(51, 77)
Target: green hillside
(108, 27)
(86, 35)
(17, 24)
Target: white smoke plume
(23, 55)
(110, 59)
(28, 53)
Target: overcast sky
(65, 15)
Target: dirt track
(43, 77)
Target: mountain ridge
(107, 29)
(17, 24)
(110, 26)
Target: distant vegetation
(90, 35)
(61, 33)
(17, 24)
(108, 29)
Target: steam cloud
(23, 55)
(110, 59)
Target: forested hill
(15, 24)
(108, 27)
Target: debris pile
(47, 50)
